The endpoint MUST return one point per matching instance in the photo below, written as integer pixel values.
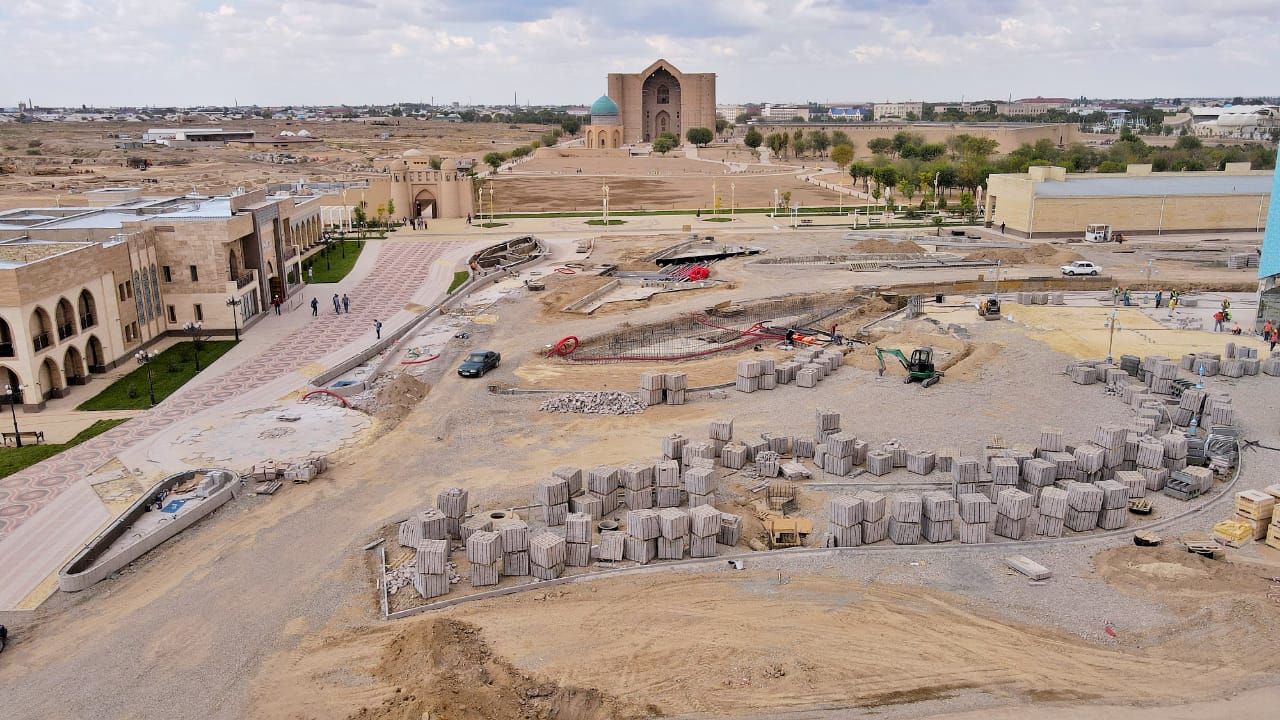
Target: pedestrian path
(398, 271)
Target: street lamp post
(144, 359)
(234, 304)
(733, 199)
(997, 290)
(193, 329)
(1113, 324)
(715, 205)
(605, 206)
(12, 391)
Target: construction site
(744, 470)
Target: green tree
(381, 214)
(663, 144)
(359, 217)
(819, 141)
(494, 160)
(722, 125)
(880, 146)
(571, 126)
(391, 209)
(967, 205)
(776, 142)
(800, 146)
(1111, 166)
(861, 171)
(906, 188)
(753, 139)
(521, 151)
(886, 176)
(742, 118)
(699, 136)
(842, 155)
(1188, 142)
(840, 137)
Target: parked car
(1081, 267)
(478, 363)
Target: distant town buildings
(897, 110)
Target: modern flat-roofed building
(897, 110)
(84, 288)
(180, 137)
(1050, 202)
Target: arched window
(664, 95)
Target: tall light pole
(144, 359)
(12, 391)
(715, 210)
(997, 290)
(733, 199)
(605, 206)
(193, 329)
(1114, 325)
(234, 304)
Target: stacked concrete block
(860, 450)
(1090, 458)
(1175, 451)
(1271, 366)
(602, 482)
(780, 444)
(808, 377)
(700, 483)
(1220, 411)
(587, 503)
(826, 423)
(653, 388)
(1206, 364)
(515, 546)
(754, 448)
(1051, 440)
(1013, 507)
(571, 475)
(1053, 508)
(965, 473)
(547, 556)
(577, 535)
(1115, 504)
(875, 519)
(785, 372)
(833, 359)
(553, 495)
(844, 520)
(1083, 374)
(643, 531)
(473, 524)
(768, 464)
(721, 429)
(1232, 368)
(768, 374)
(730, 529)
(668, 483)
(432, 564)
(976, 514)
(802, 446)
(704, 526)
(673, 446)
(612, 546)
(938, 517)
(905, 513)
(697, 451)
(1005, 471)
(453, 503)
(838, 453)
(748, 379)
(1064, 464)
(673, 538)
(1037, 475)
(920, 462)
(945, 459)
(1084, 503)
(677, 384)
(1134, 481)
(879, 463)
(734, 456)
(638, 488)
(430, 524)
(484, 552)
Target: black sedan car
(478, 363)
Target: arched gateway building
(645, 105)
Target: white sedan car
(1081, 267)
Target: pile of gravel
(596, 403)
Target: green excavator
(919, 366)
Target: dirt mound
(396, 397)
(1034, 255)
(884, 245)
(444, 669)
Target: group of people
(1170, 300)
(416, 223)
(1271, 334)
(341, 306)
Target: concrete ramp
(41, 545)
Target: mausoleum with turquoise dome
(604, 131)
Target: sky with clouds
(276, 52)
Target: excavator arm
(881, 352)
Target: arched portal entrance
(73, 366)
(661, 102)
(9, 378)
(425, 205)
(97, 359)
(51, 381)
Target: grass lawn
(169, 371)
(13, 459)
(458, 278)
(717, 219)
(493, 224)
(610, 222)
(334, 267)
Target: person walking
(346, 304)
(275, 302)
(337, 308)
(1159, 298)
(1173, 303)
(1218, 317)
(1275, 338)
(315, 307)
(1267, 327)
(1001, 227)
(377, 329)
(468, 218)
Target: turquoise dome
(604, 106)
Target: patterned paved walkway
(399, 271)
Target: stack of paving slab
(553, 495)
(577, 536)
(1084, 505)
(704, 526)
(1115, 504)
(698, 451)
(810, 371)
(475, 523)
(1150, 462)
(1111, 438)
(453, 504)
(700, 484)
(432, 563)
(673, 538)
(1053, 511)
(602, 483)
(976, 514)
(839, 452)
(637, 486)
(677, 384)
(547, 555)
(748, 379)
(844, 521)
(484, 552)
(1218, 410)
(768, 464)
(785, 372)
(1134, 481)
(515, 546)
(612, 546)
(579, 501)
(667, 477)
(966, 474)
(730, 529)
(905, 513)
(875, 516)
(653, 388)
(1013, 508)
(938, 518)
(1189, 406)
(1005, 472)
(920, 462)
(720, 433)
(1271, 366)
(1036, 474)
(643, 530)
(429, 524)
